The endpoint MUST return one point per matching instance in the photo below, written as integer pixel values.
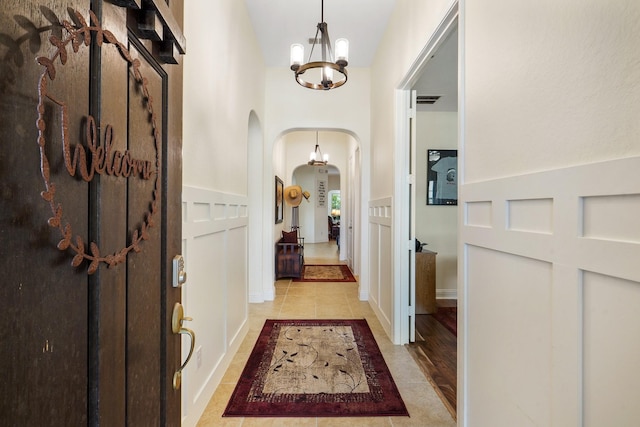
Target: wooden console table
(426, 282)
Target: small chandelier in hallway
(324, 68)
(316, 158)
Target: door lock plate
(176, 326)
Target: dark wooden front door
(90, 211)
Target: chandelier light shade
(316, 158)
(297, 55)
(320, 74)
(342, 51)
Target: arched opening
(341, 174)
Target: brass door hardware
(176, 326)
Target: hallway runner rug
(326, 273)
(315, 368)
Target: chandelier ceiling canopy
(319, 74)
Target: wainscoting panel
(611, 351)
(478, 214)
(510, 316)
(237, 281)
(381, 261)
(551, 287)
(214, 233)
(535, 216)
(374, 273)
(386, 274)
(612, 217)
(202, 292)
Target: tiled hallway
(296, 300)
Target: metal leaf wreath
(77, 36)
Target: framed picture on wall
(279, 202)
(442, 177)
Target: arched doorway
(340, 174)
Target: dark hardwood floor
(435, 351)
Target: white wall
(275, 160)
(437, 225)
(305, 177)
(289, 106)
(223, 83)
(551, 100)
(313, 224)
(561, 93)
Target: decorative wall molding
(589, 208)
(381, 284)
(206, 212)
(214, 232)
(556, 253)
(380, 211)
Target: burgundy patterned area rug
(315, 368)
(326, 273)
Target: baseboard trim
(446, 294)
(204, 395)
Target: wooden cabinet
(425, 282)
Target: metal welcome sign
(97, 156)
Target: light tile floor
(295, 300)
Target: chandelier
(321, 73)
(316, 158)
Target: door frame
(404, 203)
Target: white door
(412, 215)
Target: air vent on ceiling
(427, 99)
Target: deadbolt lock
(179, 275)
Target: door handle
(176, 326)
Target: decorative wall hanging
(104, 160)
(442, 177)
(321, 191)
(279, 202)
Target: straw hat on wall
(293, 195)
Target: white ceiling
(279, 23)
